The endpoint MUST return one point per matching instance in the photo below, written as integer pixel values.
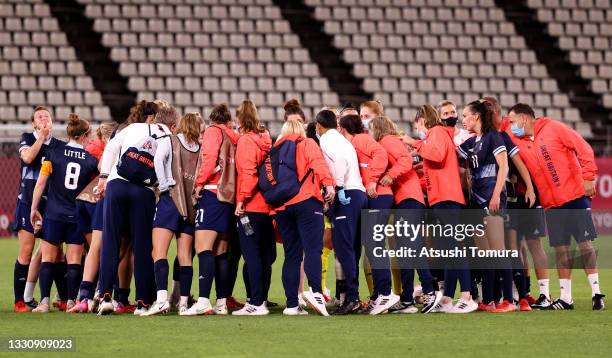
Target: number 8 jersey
(70, 168)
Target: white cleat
(463, 306)
(295, 311)
(252, 310)
(201, 307)
(301, 301)
(221, 307)
(41, 308)
(106, 306)
(383, 303)
(403, 308)
(156, 308)
(442, 308)
(316, 301)
(182, 309)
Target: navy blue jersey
(29, 172)
(480, 153)
(72, 168)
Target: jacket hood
(262, 140)
(288, 137)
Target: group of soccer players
(225, 190)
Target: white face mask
(366, 124)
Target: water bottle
(246, 225)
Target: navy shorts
(97, 221)
(213, 214)
(58, 232)
(22, 218)
(572, 219)
(167, 217)
(529, 223)
(85, 213)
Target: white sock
(544, 285)
(441, 286)
(594, 281)
(162, 295)
(28, 293)
(203, 301)
(220, 302)
(184, 300)
(566, 290)
(44, 301)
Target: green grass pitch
(578, 333)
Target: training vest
(184, 169)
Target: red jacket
(211, 143)
(250, 153)
(440, 165)
(96, 148)
(373, 161)
(308, 155)
(406, 183)
(559, 160)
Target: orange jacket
(96, 148)
(250, 153)
(308, 155)
(211, 143)
(373, 161)
(440, 165)
(559, 160)
(406, 183)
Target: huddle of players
(345, 161)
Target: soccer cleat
(201, 307)
(442, 307)
(252, 310)
(598, 302)
(464, 306)
(559, 305)
(80, 307)
(524, 305)
(505, 306)
(332, 303)
(31, 304)
(182, 309)
(418, 295)
(430, 300)
(105, 305)
(42, 308)
(69, 305)
(233, 304)
(220, 307)
(348, 307)
(530, 299)
(543, 302)
(295, 311)
(486, 307)
(60, 305)
(122, 309)
(403, 307)
(157, 307)
(21, 307)
(383, 303)
(141, 308)
(315, 301)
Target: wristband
(103, 176)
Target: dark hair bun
(292, 104)
(73, 118)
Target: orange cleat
(21, 307)
(60, 305)
(524, 305)
(505, 306)
(530, 299)
(486, 308)
(233, 304)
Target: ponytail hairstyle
(76, 127)
(352, 124)
(486, 113)
(105, 130)
(189, 125)
(429, 114)
(294, 107)
(248, 117)
(220, 114)
(141, 111)
(382, 126)
(375, 106)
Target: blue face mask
(422, 135)
(517, 131)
